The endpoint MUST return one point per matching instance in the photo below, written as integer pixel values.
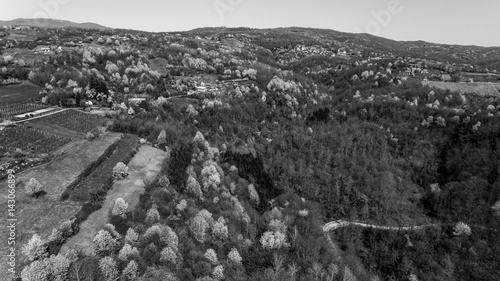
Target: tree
(109, 268)
(119, 208)
(131, 271)
(168, 255)
(219, 229)
(33, 187)
(127, 252)
(131, 237)
(54, 268)
(162, 138)
(104, 243)
(211, 256)
(120, 171)
(35, 249)
(496, 209)
(199, 227)
(153, 216)
(462, 229)
(234, 256)
(218, 272)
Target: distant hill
(53, 23)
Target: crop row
(24, 138)
(75, 120)
(9, 111)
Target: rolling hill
(52, 23)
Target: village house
(42, 49)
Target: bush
(120, 171)
(33, 187)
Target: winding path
(340, 223)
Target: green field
(20, 93)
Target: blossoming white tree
(234, 256)
(120, 171)
(33, 187)
(131, 237)
(105, 243)
(109, 268)
(462, 229)
(119, 208)
(35, 249)
(153, 216)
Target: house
(42, 49)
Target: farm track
(47, 212)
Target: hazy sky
(466, 22)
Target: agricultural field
(97, 180)
(9, 111)
(24, 138)
(144, 167)
(47, 212)
(75, 120)
(482, 89)
(12, 94)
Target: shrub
(35, 249)
(164, 182)
(89, 136)
(109, 268)
(120, 208)
(33, 187)
(120, 171)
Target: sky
(464, 22)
